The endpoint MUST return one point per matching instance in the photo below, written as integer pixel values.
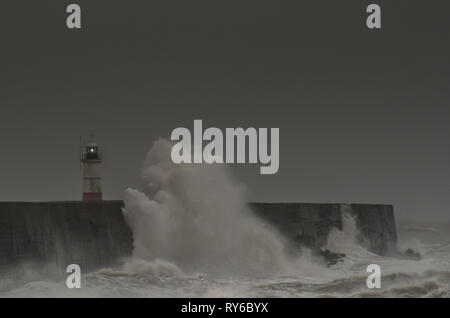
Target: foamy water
(194, 236)
(428, 277)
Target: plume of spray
(345, 240)
(196, 216)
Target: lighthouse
(91, 159)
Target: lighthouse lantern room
(91, 160)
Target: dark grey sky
(363, 115)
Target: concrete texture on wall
(95, 234)
(91, 234)
(309, 224)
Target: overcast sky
(363, 115)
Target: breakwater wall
(95, 234)
(308, 224)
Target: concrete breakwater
(309, 224)
(91, 234)
(95, 234)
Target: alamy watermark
(74, 278)
(374, 279)
(236, 145)
(73, 19)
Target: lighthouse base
(92, 196)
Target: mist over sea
(194, 236)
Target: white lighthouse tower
(91, 160)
